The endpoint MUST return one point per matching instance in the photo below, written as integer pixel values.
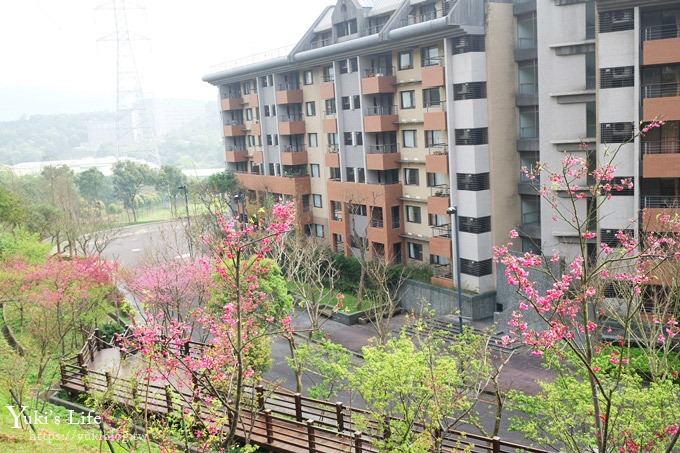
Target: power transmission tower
(134, 125)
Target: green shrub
(23, 245)
(108, 330)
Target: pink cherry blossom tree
(245, 310)
(579, 321)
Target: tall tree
(128, 179)
(170, 179)
(92, 185)
(11, 211)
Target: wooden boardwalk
(275, 419)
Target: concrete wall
(444, 301)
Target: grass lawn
(349, 304)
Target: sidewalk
(522, 372)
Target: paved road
(135, 243)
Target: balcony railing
(528, 88)
(377, 223)
(330, 112)
(525, 179)
(526, 43)
(528, 132)
(231, 95)
(329, 77)
(337, 216)
(660, 32)
(332, 149)
(438, 148)
(661, 90)
(374, 29)
(319, 43)
(435, 106)
(441, 231)
(294, 148)
(233, 122)
(531, 218)
(234, 148)
(294, 173)
(661, 201)
(665, 147)
(382, 149)
(412, 19)
(295, 116)
(378, 72)
(289, 86)
(432, 61)
(375, 110)
(442, 190)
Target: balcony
(413, 19)
(531, 224)
(433, 76)
(378, 80)
(332, 157)
(330, 125)
(528, 186)
(527, 94)
(382, 157)
(291, 124)
(327, 90)
(235, 154)
(661, 214)
(380, 195)
(251, 99)
(294, 155)
(288, 94)
(232, 103)
(521, 7)
(439, 200)
(435, 117)
(257, 156)
(442, 275)
(661, 159)
(440, 244)
(661, 100)
(233, 128)
(380, 118)
(526, 49)
(437, 161)
(287, 185)
(253, 127)
(661, 45)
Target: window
(315, 170)
(330, 107)
(344, 102)
(358, 138)
(270, 80)
(249, 114)
(396, 216)
(619, 77)
(477, 90)
(361, 175)
(354, 64)
(312, 140)
(590, 71)
(305, 203)
(477, 136)
(408, 138)
(413, 214)
(266, 110)
(270, 142)
(265, 81)
(357, 209)
(475, 268)
(356, 102)
(350, 174)
(349, 27)
(347, 138)
(430, 55)
(406, 60)
(591, 124)
(335, 173)
(408, 99)
(621, 20)
(308, 78)
(472, 181)
(469, 43)
(435, 139)
(415, 251)
(316, 200)
(431, 97)
(318, 230)
(474, 225)
(276, 139)
(344, 66)
(328, 74)
(616, 132)
(332, 138)
(310, 108)
(251, 140)
(411, 176)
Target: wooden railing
(273, 418)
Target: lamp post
(453, 210)
(186, 206)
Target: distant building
(103, 164)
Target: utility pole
(453, 210)
(186, 207)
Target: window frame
(412, 95)
(403, 138)
(309, 81)
(410, 58)
(315, 197)
(417, 214)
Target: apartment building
(389, 111)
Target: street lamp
(186, 206)
(453, 210)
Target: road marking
(136, 250)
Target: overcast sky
(52, 60)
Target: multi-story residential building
(389, 111)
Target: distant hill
(192, 136)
